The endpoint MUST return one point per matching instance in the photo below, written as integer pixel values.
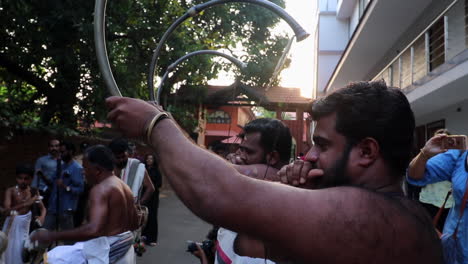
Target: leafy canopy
(48, 69)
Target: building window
(219, 117)
(436, 44)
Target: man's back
(121, 214)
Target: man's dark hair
(101, 156)
(119, 145)
(69, 146)
(371, 109)
(52, 139)
(25, 168)
(274, 136)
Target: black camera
(206, 245)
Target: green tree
(49, 74)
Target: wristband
(153, 123)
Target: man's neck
(104, 176)
(380, 179)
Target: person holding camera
(436, 163)
(66, 190)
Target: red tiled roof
(232, 140)
(279, 94)
(275, 94)
(220, 133)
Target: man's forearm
(198, 176)
(81, 233)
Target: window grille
(437, 44)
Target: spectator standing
(19, 201)
(436, 164)
(151, 229)
(46, 169)
(66, 191)
(432, 196)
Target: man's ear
(273, 158)
(368, 151)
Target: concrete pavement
(176, 225)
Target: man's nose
(312, 155)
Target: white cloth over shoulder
(18, 233)
(94, 251)
(225, 250)
(133, 175)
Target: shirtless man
(112, 214)
(19, 201)
(264, 141)
(139, 178)
(356, 214)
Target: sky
(300, 73)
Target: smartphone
(454, 142)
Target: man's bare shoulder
(360, 224)
(385, 221)
(105, 187)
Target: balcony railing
(440, 42)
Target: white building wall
(332, 37)
(333, 33)
(456, 30)
(327, 5)
(456, 118)
(327, 65)
(354, 20)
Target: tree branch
(41, 85)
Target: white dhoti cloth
(133, 176)
(18, 233)
(100, 250)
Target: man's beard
(337, 175)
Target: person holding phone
(65, 191)
(436, 163)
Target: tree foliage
(48, 71)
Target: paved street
(176, 225)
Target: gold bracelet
(153, 123)
(423, 154)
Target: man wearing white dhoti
(106, 237)
(18, 201)
(17, 233)
(131, 171)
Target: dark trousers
(151, 228)
(432, 210)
